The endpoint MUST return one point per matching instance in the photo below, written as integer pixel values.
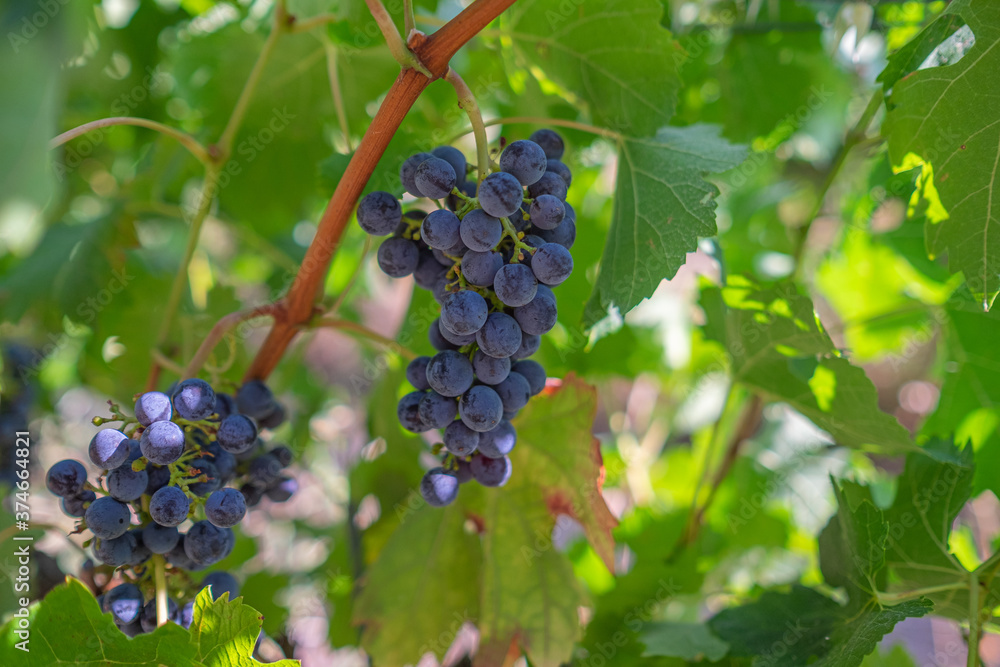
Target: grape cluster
(191, 458)
(491, 256)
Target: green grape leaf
(68, 628)
(930, 494)
(615, 56)
(529, 593)
(691, 641)
(778, 346)
(852, 548)
(941, 118)
(662, 206)
(789, 629)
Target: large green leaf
(945, 119)
(505, 575)
(690, 641)
(778, 346)
(852, 548)
(67, 627)
(614, 55)
(662, 207)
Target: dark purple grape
(552, 264)
(498, 442)
(407, 411)
(547, 212)
(221, 583)
(115, 551)
(206, 543)
(464, 313)
(490, 370)
(480, 231)
(449, 373)
(153, 406)
(163, 442)
(564, 234)
(557, 167)
(441, 230)
(282, 489)
(408, 171)
(416, 373)
(428, 270)
(275, 419)
(462, 471)
(514, 392)
(225, 508)
(435, 410)
(549, 184)
(533, 372)
(109, 448)
(500, 194)
(255, 399)
(439, 487)
(515, 285)
(500, 337)
(125, 484)
(490, 472)
(480, 268)
(529, 345)
(264, 470)
(107, 518)
(160, 539)
(459, 439)
(237, 433)
(66, 478)
(225, 405)
(169, 506)
(283, 454)
(435, 178)
(379, 213)
(194, 400)
(525, 160)
(480, 408)
(124, 602)
(455, 158)
(537, 316)
(550, 141)
(398, 257)
(455, 339)
(439, 342)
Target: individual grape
(435, 178)
(564, 234)
(514, 392)
(206, 543)
(416, 373)
(439, 487)
(463, 472)
(552, 264)
(550, 141)
(529, 345)
(500, 336)
(237, 433)
(66, 478)
(169, 506)
(398, 257)
(275, 419)
(515, 285)
(490, 472)
(255, 399)
(161, 539)
(283, 454)
(449, 373)
(163, 442)
(408, 171)
(107, 518)
(153, 406)
(140, 552)
(264, 470)
(456, 339)
(74, 505)
(428, 270)
(224, 462)
(221, 583)
(252, 494)
(499, 441)
(124, 602)
(559, 168)
(408, 412)
(435, 410)
(108, 448)
(439, 342)
(490, 370)
(480, 268)
(115, 551)
(500, 194)
(379, 213)
(194, 399)
(455, 158)
(549, 184)
(459, 439)
(480, 408)
(480, 231)
(126, 485)
(533, 372)
(538, 316)
(147, 618)
(547, 212)
(225, 405)
(207, 470)
(524, 160)
(225, 507)
(440, 229)
(282, 489)
(463, 313)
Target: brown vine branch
(433, 52)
